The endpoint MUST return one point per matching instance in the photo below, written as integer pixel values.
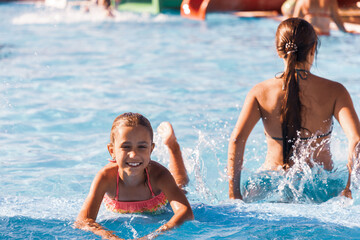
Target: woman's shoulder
(268, 86)
(272, 83)
(329, 85)
(267, 83)
(325, 90)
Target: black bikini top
(306, 138)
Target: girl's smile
(134, 164)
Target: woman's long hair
(294, 39)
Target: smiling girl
(132, 182)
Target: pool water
(66, 74)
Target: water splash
(203, 180)
(305, 182)
(128, 224)
(355, 175)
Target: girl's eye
(125, 147)
(142, 146)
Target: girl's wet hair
(130, 119)
(295, 38)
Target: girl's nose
(132, 154)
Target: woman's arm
(249, 116)
(89, 211)
(344, 112)
(298, 8)
(334, 10)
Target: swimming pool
(65, 75)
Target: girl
(294, 107)
(132, 182)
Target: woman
(319, 13)
(296, 106)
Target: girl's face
(131, 149)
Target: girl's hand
(154, 234)
(147, 237)
(167, 134)
(347, 193)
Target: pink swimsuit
(151, 205)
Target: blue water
(65, 75)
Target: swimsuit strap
(306, 138)
(321, 135)
(148, 182)
(117, 187)
(299, 76)
(275, 138)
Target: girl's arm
(345, 113)
(249, 116)
(86, 219)
(178, 202)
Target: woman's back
(317, 96)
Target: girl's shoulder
(156, 169)
(105, 178)
(158, 172)
(108, 172)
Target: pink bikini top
(151, 205)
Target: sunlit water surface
(65, 75)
